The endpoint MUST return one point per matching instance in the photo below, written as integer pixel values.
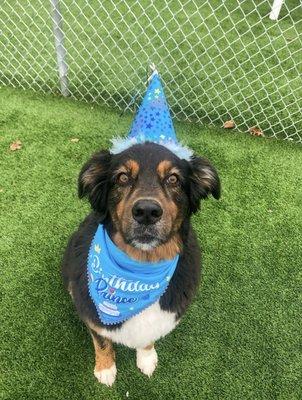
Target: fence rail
(220, 60)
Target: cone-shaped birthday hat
(153, 122)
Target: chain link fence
(220, 60)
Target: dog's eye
(172, 179)
(123, 178)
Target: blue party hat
(153, 122)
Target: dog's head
(147, 191)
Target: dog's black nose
(147, 212)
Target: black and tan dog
(144, 196)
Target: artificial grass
(241, 336)
(220, 60)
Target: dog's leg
(105, 368)
(146, 359)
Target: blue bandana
(119, 286)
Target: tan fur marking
(130, 166)
(163, 168)
(165, 251)
(104, 356)
(150, 347)
(133, 167)
(120, 209)
(171, 209)
(94, 327)
(168, 204)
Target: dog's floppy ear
(94, 180)
(204, 181)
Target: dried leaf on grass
(255, 131)
(229, 124)
(17, 145)
(75, 140)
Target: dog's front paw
(146, 360)
(107, 375)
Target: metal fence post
(59, 45)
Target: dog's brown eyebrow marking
(133, 167)
(163, 168)
(130, 166)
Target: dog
(144, 196)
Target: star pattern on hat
(153, 121)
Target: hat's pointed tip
(153, 121)
(154, 71)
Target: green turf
(222, 60)
(241, 338)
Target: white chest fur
(143, 329)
